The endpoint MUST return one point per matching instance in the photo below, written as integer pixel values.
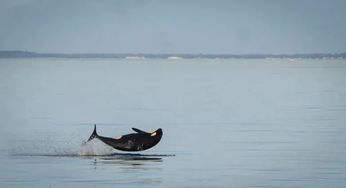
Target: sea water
(226, 122)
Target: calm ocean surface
(228, 123)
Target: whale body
(138, 141)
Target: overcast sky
(177, 26)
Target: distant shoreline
(28, 54)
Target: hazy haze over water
(153, 26)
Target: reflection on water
(127, 159)
(131, 165)
(118, 169)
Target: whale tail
(94, 134)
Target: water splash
(49, 146)
(95, 147)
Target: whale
(138, 141)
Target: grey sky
(177, 26)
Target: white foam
(95, 147)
